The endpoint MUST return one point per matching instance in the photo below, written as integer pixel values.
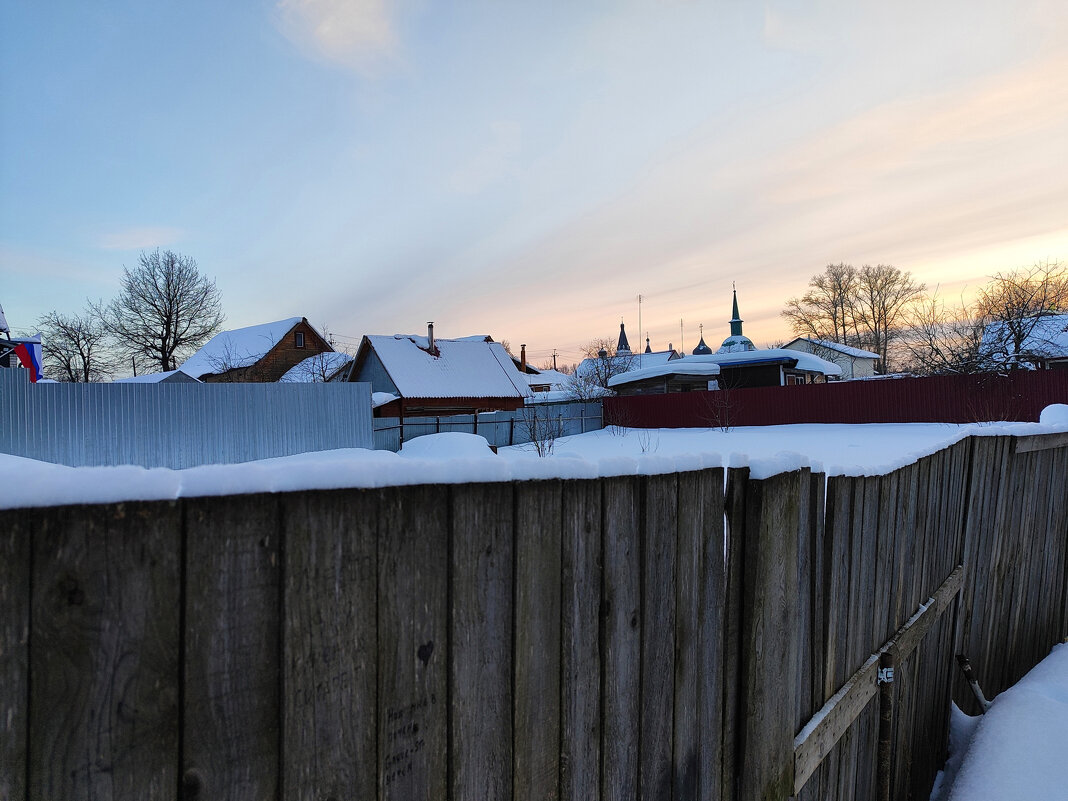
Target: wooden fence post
(104, 717)
(734, 504)
(232, 624)
(16, 540)
(580, 624)
(770, 638)
(622, 637)
(658, 544)
(536, 756)
(413, 646)
(329, 637)
(480, 637)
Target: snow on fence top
(452, 458)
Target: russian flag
(29, 354)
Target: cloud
(140, 238)
(353, 33)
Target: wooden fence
(1020, 395)
(596, 639)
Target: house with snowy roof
(257, 353)
(1039, 342)
(855, 363)
(737, 364)
(428, 377)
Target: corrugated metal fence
(1021, 395)
(539, 421)
(178, 425)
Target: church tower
(623, 346)
(737, 341)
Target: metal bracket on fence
(886, 675)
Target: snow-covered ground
(458, 458)
(1018, 750)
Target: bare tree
(74, 347)
(543, 425)
(825, 311)
(166, 309)
(884, 294)
(863, 308)
(589, 381)
(1018, 305)
(940, 339)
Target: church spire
(737, 341)
(736, 321)
(623, 346)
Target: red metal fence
(937, 399)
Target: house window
(300, 339)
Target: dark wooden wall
(608, 639)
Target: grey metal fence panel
(179, 425)
(499, 428)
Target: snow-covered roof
(690, 366)
(807, 362)
(552, 377)
(1048, 338)
(736, 343)
(155, 378)
(471, 367)
(315, 368)
(382, 398)
(241, 347)
(855, 353)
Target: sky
(526, 170)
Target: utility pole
(554, 358)
(641, 350)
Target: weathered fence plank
(231, 633)
(735, 512)
(769, 637)
(413, 647)
(104, 653)
(659, 541)
(712, 602)
(536, 772)
(329, 636)
(16, 541)
(689, 549)
(622, 638)
(480, 640)
(580, 674)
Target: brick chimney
(522, 358)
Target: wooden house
(855, 363)
(429, 377)
(258, 354)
